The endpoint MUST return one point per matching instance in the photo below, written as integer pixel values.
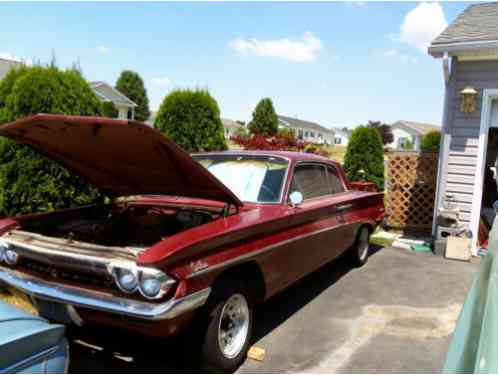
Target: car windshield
(255, 179)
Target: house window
(402, 141)
(306, 134)
(337, 140)
(320, 135)
(312, 134)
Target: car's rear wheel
(359, 252)
(229, 326)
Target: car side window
(310, 180)
(335, 181)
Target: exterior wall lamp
(468, 99)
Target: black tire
(212, 357)
(360, 250)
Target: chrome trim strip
(78, 297)
(23, 364)
(258, 252)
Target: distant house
(409, 132)
(6, 65)
(107, 93)
(341, 137)
(229, 127)
(307, 131)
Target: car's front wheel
(229, 326)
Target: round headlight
(11, 257)
(127, 281)
(150, 287)
(3, 249)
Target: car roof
(291, 155)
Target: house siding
(462, 129)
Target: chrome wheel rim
(233, 326)
(363, 245)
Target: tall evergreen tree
(264, 119)
(364, 159)
(191, 118)
(131, 84)
(30, 182)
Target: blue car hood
(23, 335)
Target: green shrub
(431, 141)
(264, 119)
(364, 159)
(109, 110)
(191, 118)
(286, 133)
(132, 86)
(408, 145)
(28, 181)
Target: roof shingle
(478, 22)
(418, 127)
(295, 122)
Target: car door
(323, 229)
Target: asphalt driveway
(395, 314)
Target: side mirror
(296, 198)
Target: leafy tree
(264, 119)
(131, 84)
(364, 159)
(28, 181)
(431, 141)
(109, 110)
(192, 119)
(384, 130)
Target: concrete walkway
(395, 314)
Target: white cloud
(392, 53)
(422, 24)
(160, 81)
(10, 56)
(303, 50)
(103, 49)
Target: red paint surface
(283, 242)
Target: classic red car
(193, 241)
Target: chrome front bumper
(68, 295)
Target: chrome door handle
(343, 207)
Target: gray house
(107, 93)
(307, 131)
(6, 65)
(468, 49)
(409, 131)
(230, 127)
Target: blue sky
(339, 64)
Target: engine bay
(123, 225)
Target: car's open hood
(118, 156)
